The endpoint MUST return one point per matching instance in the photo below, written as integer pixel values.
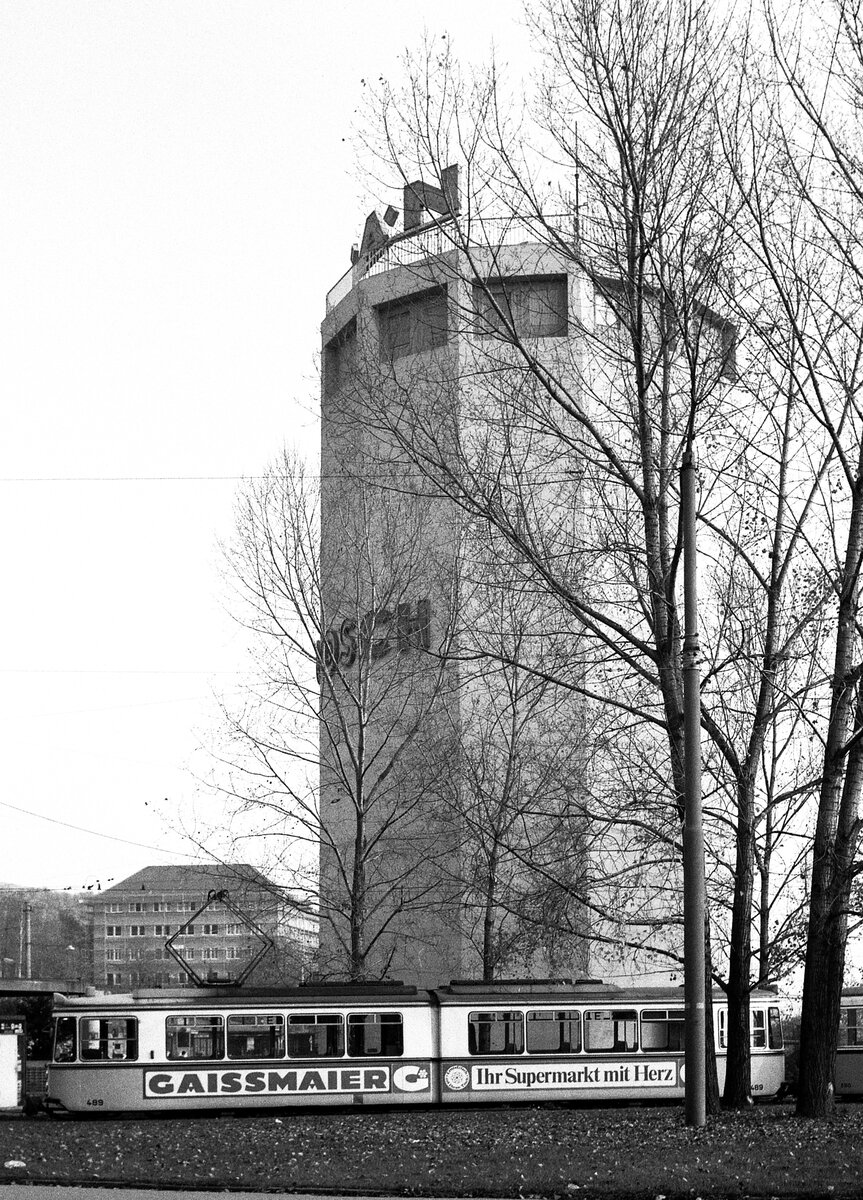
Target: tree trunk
(738, 1082)
(358, 898)
(836, 836)
(711, 1080)
(488, 955)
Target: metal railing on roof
(433, 241)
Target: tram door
(11, 1061)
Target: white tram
(848, 1074)
(516, 1040)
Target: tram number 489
(95, 1103)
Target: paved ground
(39, 1191)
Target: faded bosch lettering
(377, 634)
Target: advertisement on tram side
(171, 1083)
(561, 1076)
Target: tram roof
(458, 991)
(576, 991)
(241, 997)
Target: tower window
(416, 323)
(533, 307)
(718, 341)
(340, 357)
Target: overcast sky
(177, 194)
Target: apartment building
(132, 921)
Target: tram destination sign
(274, 1081)
(490, 1077)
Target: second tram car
(848, 1074)
(518, 1040)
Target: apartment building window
(213, 952)
(113, 930)
(115, 908)
(113, 979)
(534, 307)
(413, 324)
(137, 930)
(114, 955)
(137, 907)
(212, 930)
(161, 930)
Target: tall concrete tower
(435, 754)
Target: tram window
(774, 1029)
(375, 1035)
(256, 1035)
(194, 1037)
(64, 1040)
(316, 1035)
(495, 1033)
(758, 1029)
(554, 1032)
(111, 1039)
(663, 1029)
(611, 1029)
(851, 1027)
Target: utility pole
(693, 832)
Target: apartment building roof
(189, 877)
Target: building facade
(131, 922)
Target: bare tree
(519, 790)
(800, 182)
(641, 215)
(339, 751)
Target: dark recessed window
(719, 339)
(533, 307)
(340, 358)
(417, 323)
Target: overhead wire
(92, 832)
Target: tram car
(467, 1042)
(848, 1073)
